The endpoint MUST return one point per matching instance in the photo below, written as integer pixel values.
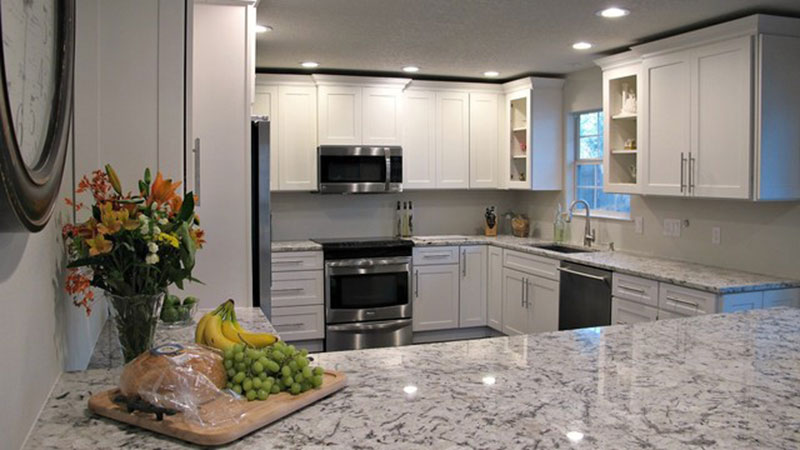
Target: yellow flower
(112, 221)
(98, 245)
(169, 239)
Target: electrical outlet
(716, 235)
(639, 222)
(672, 228)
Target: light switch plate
(716, 235)
(672, 228)
(639, 222)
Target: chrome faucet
(588, 234)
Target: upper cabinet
(419, 139)
(716, 113)
(359, 111)
(484, 140)
(622, 128)
(533, 152)
(452, 139)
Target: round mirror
(36, 59)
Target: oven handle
(582, 274)
(389, 325)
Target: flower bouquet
(133, 247)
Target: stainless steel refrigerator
(262, 216)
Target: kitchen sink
(561, 248)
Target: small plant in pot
(133, 246)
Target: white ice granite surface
(295, 246)
(108, 353)
(727, 381)
(692, 275)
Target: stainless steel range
(367, 292)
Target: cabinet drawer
(782, 297)
(689, 302)
(626, 312)
(292, 261)
(666, 315)
(531, 264)
(296, 323)
(636, 289)
(427, 256)
(297, 288)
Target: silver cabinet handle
(522, 294)
(416, 283)
(683, 163)
(691, 173)
(632, 289)
(293, 261)
(196, 151)
(287, 290)
(683, 302)
(436, 255)
(581, 274)
(527, 293)
(463, 263)
(289, 325)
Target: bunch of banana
(220, 329)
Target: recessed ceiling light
(581, 46)
(263, 28)
(491, 73)
(309, 64)
(410, 69)
(613, 12)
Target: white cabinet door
(483, 140)
(542, 304)
(419, 140)
(782, 297)
(265, 103)
(626, 312)
(220, 123)
(721, 118)
(666, 122)
(436, 297)
(382, 116)
(339, 115)
(452, 140)
(515, 314)
(297, 138)
(473, 307)
(743, 301)
(495, 288)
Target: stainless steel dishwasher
(584, 297)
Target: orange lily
(162, 190)
(98, 245)
(198, 236)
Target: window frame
(577, 161)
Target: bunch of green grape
(259, 373)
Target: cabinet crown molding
(347, 80)
(533, 83)
(283, 78)
(454, 86)
(618, 60)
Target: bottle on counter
(410, 219)
(559, 226)
(398, 221)
(404, 220)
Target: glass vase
(135, 318)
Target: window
(589, 167)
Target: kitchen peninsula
(717, 381)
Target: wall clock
(36, 70)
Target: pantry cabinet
(495, 287)
(452, 140)
(419, 139)
(484, 140)
(473, 287)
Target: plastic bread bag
(187, 379)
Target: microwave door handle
(388, 154)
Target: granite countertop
(107, 352)
(295, 246)
(715, 381)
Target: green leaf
(187, 208)
(96, 213)
(187, 256)
(142, 187)
(147, 177)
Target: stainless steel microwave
(355, 169)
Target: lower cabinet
(298, 301)
(472, 287)
(530, 303)
(626, 312)
(495, 288)
(299, 323)
(436, 297)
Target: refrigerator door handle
(196, 151)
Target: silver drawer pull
(287, 290)
(289, 325)
(637, 290)
(683, 302)
(621, 323)
(437, 255)
(288, 262)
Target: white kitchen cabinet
(297, 137)
(382, 116)
(301, 288)
(265, 103)
(495, 287)
(782, 297)
(666, 132)
(541, 300)
(220, 150)
(473, 287)
(419, 139)
(299, 323)
(685, 301)
(339, 115)
(484, 133)
(452, 140)
(743, 301)
(436, 297)
(515, 314)
(666, 315)
(626, 312)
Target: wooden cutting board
(255, 414)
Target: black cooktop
(342, 248)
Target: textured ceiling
(464, 38)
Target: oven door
(344, 169)
(358, 290)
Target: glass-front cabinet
(518, 104)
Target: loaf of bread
(174, 376)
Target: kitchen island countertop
(715, 381)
